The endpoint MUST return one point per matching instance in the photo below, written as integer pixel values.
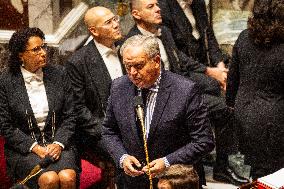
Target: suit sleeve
(66, 130)
(86, 120)
(185, 64)
(199, 132)
(190, 65)
(111, 134)
(166, 15)
(16, 139)
(233, 77)
(214, 51)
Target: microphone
(138, 104)
(44, 163)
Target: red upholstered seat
(90, 174)
(5, 182)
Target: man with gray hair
(176, 125)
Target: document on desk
(273, 181)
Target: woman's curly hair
(266, 26)
(17, 45)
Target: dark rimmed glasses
(38, 49)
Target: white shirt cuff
(122, 159)
(33, 145)
(59, 143)
(167, 164)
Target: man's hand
(156, 167)
(40, 151)
(128, 166)
(220, 74)
(221, 65)
(54, 150)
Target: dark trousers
(222, 121)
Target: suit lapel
(170, 50)
(98, 72)
(21, 92)
(180, 18)
(161, 101)
(50, 84)
(133, 31)
(128, 105)
(200, 15)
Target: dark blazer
(180, 129)
(179, 62)
(15, 108)
(91, 82)
(175, 19)
(255, 89)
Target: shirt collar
(145, 32)
(28, 76)
(103, 50)
(155, 86)
(184, 4)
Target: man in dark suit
(188, 21)
(177, 129)
(91, 69)
(147, 16)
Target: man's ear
(93, 31)
(157, 60)
(136, 14)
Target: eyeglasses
(109, 23)
(137, 67)
(38, 49)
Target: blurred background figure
(255, 88)
(36, 116)
(179, 176)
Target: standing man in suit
(91, 69)
(147, 15)
(176, 124)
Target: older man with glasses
(91, 69)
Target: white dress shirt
(111, 60)
(188, 13)
(163, 53)
(37, 97)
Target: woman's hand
(40, 151)
(54, 150)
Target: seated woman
(36, 114)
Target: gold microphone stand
(37, 169)
(140, 112)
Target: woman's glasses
(38, 49)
